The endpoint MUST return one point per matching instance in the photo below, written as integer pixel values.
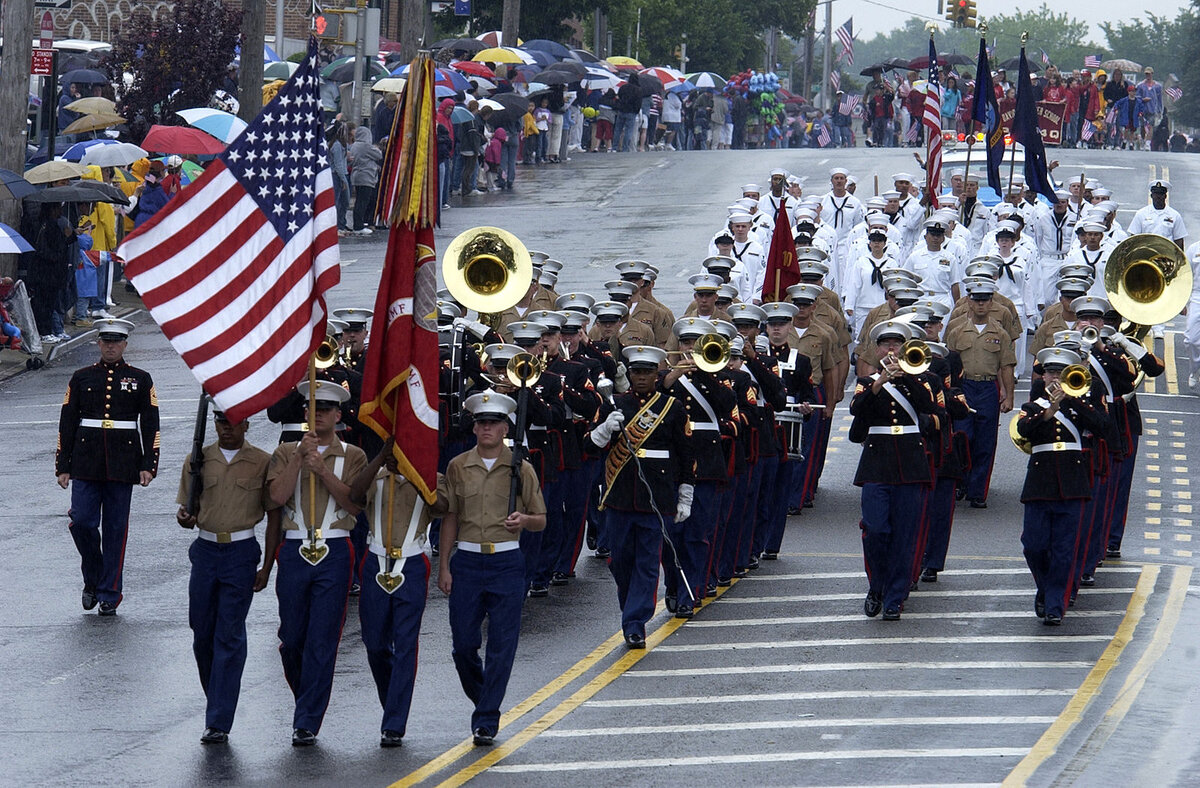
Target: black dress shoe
(872, 605)
(710, 591)
(1039, 605)
(634, 640)
(390, 739)
(591, 542)
(794, 511)
(1087, 580)
(754, 563)
(741, 573)
(891, 614)
(603, 552)
(1113, 552)
(1052, 620)
(108, 609)
(960, 493)
(769, 556)
(671, 603)
(558, 579)
(88, 599)
(684, 611)
(978, 503)
(214, 736)
(914, 587)
(539, 591)
(302, 737)
(355, 589)
(929, 576)
(724, 582)
(483, 737)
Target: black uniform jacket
(772, 398)
(1064, 474)
(581, 402)
(662, 474)
(711, 461)
(899, 457)
(116, 393)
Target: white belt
(653, 454)
(1059, 446)
(705, 427)
(895, 429)
(294, 427)
(536, 428)
(108, 424)
(408, 552)
(487, 548)
(225, 537)
(328, 533)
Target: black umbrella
(572, 67)
(555, 77)
(105, 192)
(84, 76)
(515, 105)
(13, 186)
(650, 84)
(471, 45)
(583, 56)
(79, 60)
(73, 192)
(554, 48)
(896, 63)
(869, 70)
(1013, 63)
(954, 59)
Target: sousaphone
(1148, 280)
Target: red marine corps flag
(782, 270)
(400, 380)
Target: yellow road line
(1048, 744)
(1169, 362)
(602, 680)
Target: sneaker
(64, 337)
(364, 231)
(83, 323)
(1193, 379)
(49, 339)
(102, 314)
(446, 207)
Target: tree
(1063, 38)
(18, 23)
(1188, 109)
(539, 18)
(1157, 42)
(176, 62)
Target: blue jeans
(341, 200)
(508, 161)
(444, 171)
(625, 130)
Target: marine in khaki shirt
(235, 495)
(986, 351)
(292, 460)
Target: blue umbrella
(76, 151)
(461, 115)
(543, 59)
(684, 88)
(444, 76)
(441, 91)
(11, 241)
(552, 48)
(269, 55)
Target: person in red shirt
(1088, 98)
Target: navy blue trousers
(941, 520)
(220, 589)
(768, 470)
(99, 525)
(1120, 507)
(492, 586)
(541, 547)
(575, 509)
(740, 504)
(636, 545)
(391, 625)
(689, 539)
(891, 515)
(1051, 531)
(789, 484)
(981, 428)
(312, 610)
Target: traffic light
(965, 13)
(952, 12)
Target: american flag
(823, 136)
(236, 266)
(845, 34)
(910, 134)
(932, 120)
(1174, 93)
(1045, 58)
(1091, 61)
(1110, 116)
(1088, 131)
(848, 103)
(835, 80)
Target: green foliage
(1188, 109)
(177, 61)
(539, 18)
(1063, 37)
(1156, 41)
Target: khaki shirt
(236, 494)
(404, 498)
(294, 516)
(836, 323)
(984, 353)
(645, 315)
(718, 313)
(544, 298)
(818, 344)
(511, 315)
(479, 497)
(1002, 310)
(866, 351)
(1044, 336)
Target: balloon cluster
(751, 82)
(768, 105)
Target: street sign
(56, 4)
(462, 7)
(43, 63)
(47, 33)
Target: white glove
(683, 509)
(480, 330)
(762, 344)
(603, 433)
(621, 383)
(1135, 349)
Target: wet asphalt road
(780, 682)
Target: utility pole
(17, 21)
(510, 22)
(360, 57)
(809, 41)
(827, 99)
(250, 73)
(412, 27)
(278, 33)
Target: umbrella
(486, 85)
(223, 125)
(537, 90)
(1128, 66)
(189, 170)
(552, 48)
(669, 77)
(869, 70)
(87, 123)
(181, 139)
(76, 151)
(93, 105)
(107, 192)
(539, 57)
(73, 192)
(389, 85)
(523, 73)
(650, 84)
(624, 62)
(120, 155)
(461, 114)
(54, 170)
(494, 38)
(495, 106)
(503, 55)
(682, 88)
(11, 241)
(583, 56)
(1013, 63)
(472, 68)
(572, 67)
(77, 60)
(342, 70)
(953, 59)
(280, 69)
(513, 106)
(606, 82)
(706, 79)
(556, 77)
(443, 92)
(269, 55)
(13, 186)
(468, 45)
(83, 76)
(446, 77)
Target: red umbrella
(183, 140)
(473, 68)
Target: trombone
(915, 357)
(1076, 380)
(711, 353)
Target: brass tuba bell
(1076, 380)
(487, 269)
(1148, 280)
(915, 357)
(1019, 440)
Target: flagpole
(1012, 160)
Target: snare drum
(791, 424)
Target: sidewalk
(13, 362)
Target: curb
(11, 369)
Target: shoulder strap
(700, 400)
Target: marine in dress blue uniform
(107, 442)
(225, 555)
(485, 575)
(316, 562)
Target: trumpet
(915, 357)
(1076, 380)
(711, 353)
(326, 355)
(1090, 335)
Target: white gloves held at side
(683, 509)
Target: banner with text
(1051, 119)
